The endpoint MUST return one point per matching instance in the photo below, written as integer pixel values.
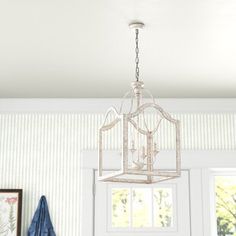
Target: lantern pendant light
(139, 135)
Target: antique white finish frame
(150, 173)
(140, 174)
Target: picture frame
(10, 212)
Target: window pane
(142, 207)
(120, 207)
(163, 207)
(225, 188)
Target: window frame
(213, 174)
(153, 229)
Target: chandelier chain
(137, 54)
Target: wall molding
(92, 105)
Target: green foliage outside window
(164, 207)
(120, 207)
(225, 188)
(148, 208)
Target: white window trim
(199, 163)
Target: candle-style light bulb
(132, 147)
(143, 152)
(155, 149)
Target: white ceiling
(84, 48)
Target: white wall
(40, 150)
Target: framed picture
(10, 212)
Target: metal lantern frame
(150, 173)
(127, 174)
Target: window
(225, 204)
(142, 207)
(134, 209)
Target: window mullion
(152, 209)
(131, 208)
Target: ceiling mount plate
(136, 25)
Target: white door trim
(87, 202)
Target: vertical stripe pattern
(40, 152)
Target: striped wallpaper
(40, 152)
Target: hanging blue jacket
(41, 224)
